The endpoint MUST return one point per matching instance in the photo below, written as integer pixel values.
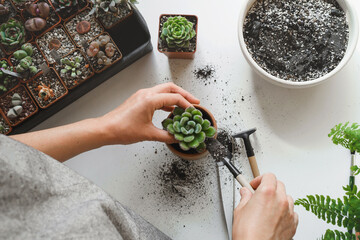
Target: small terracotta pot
(105, 67)
(37, 74)
(119, 21)
(28, 38)
(72, 34)
(15, 85)
(25, 15)
(86, 60)
(7, 122)
(192, 154)
(85, 5)
(32, 103)
(52, 102)
(176, 54)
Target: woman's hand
(268, 214)
(132, 121)
(129, 123)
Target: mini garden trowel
(222, 154)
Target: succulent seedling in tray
(74, 69)
(40, 16)
(47, 88)
(7, 82)
(6, 11)
(111, 12)
(12, 35)
(67, 8)
(189, 127)
(55, 40)
(102, 53)
(83, 27)
(26, 61)
(18, 105)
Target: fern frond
(328, 209)
(337, 235)
(347, 136)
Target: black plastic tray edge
(91, 83)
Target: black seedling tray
(133, 39)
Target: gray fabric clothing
(41, 198)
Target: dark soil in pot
(52, 20)
(7, 82)
(59, 35)
(163, 45)
(29, 107)
(12, 12)
(297, 40)
(37, 59)
(50, 80)
(93, 32)
(67, 12)
(86, 71)
(4, 126)
(109, 20)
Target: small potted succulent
(68, 8)
(83, 28)
(178, 36)
(5, 127)
(6, 11)
(12, 35)
(190, 127)
(111, 12)
(74, 69)
(102, 53)
(7, 82)
(18, 105)
(47, 88)
(55, 40)
(40, 16)
(25, 61)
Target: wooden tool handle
(240, 178)
(254, 166)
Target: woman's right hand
(268, 214)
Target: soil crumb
(204, 73)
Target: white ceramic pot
(351, 17)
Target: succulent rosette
(190, 128)
(177, 32)
(12, 33)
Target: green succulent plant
(189, 127)
(109, 6)
(4, 78)
(25, 60)
(12, 33)
(177, 32)
(72, 66)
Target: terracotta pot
(7, 122)
(25, 15)
(92, 59)
(84, 4)
(5, 109)
(192, 154)
(83, 80)
(37, 74)
(73, 34)
(176, 54)
(34, 94)
(67, 35)
(119, 21)
(17, 80)
(28, 38)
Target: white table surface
(291, 140)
